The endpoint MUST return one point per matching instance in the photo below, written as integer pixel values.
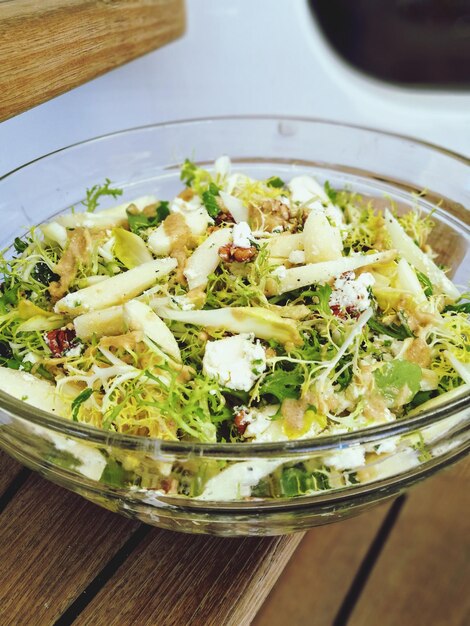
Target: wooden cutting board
(50, 46)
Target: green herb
(209, 200)
(111, 415)
(78, 401)
(139, 221)
(43, 274)
(295, 481)
(275, 182)
(39, 369)
(98, 191)
(420, 398)
(9, 298)
(320, 480)
(426, 283)
(396, 331)
(330, 192)
(320, 297)
(114, 474)
(5, 352)
(422, 449)
(20, 245)
(282, 384)
(391, 377)
(463, 307)
(188, 171)
(345, 378)
(352, 478)
(15, 363)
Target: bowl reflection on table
(381, 166)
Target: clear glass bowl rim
(321, 444)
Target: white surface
(263, 56)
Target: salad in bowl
(242, 310)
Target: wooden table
(65, 560)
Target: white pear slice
(322, 241)
(108, 218)
(106, 322)
(304, 275)
(261, 322)
(408, 281)
(282, 245)
(139, 316)
(205, 258)
(414, 255)
(34, 391)
(115, 290)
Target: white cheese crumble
(183, 303)
(31, 358)
(297, 257)
(350, 292)
(349, 458)
(258, 421)
(280, 272)
(236, 362)
(74, 352)
(242, 235)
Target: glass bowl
(130, 474)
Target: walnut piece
(230, 253)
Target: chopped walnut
(272, 215)
(241, 421)
(169, 485)
(230, 253)
(224, 217)
(60, 340)
(276, 207)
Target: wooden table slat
(171, 580)
(422, 575)
(52, 544)
(316, 579)
(63, 556)
(9, 470)
(50, 46)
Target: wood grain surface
(50, 46)
(9, 469)
(59, 551)
(65, 560)
(317, 578)
(52, 543)
(423, 573)
(175, 580)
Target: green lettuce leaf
(391, 377)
